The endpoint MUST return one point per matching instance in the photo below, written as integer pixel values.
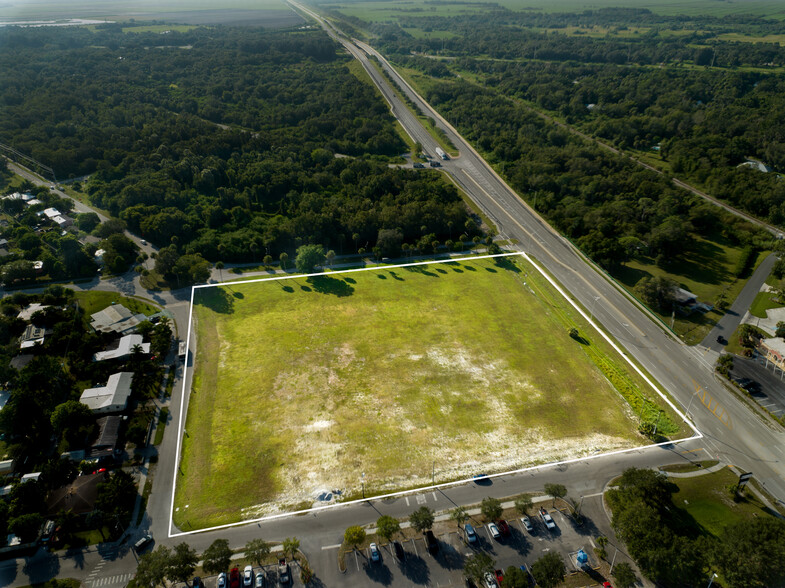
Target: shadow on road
(415, 568)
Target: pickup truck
(547, 519)
(283, 572)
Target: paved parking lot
(771, 391)
(419, 568)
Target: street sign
(743, 479)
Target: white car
(547, 519)
(527, 524)
(375, 555)
(222, 580)
(260, 580)
(489, 580)
(248, 577)
(494, 531)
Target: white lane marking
(407, 500)
(336, 546)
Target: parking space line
(336, 546)
(357, 561)
(407, 500)
(414, 544)
(435, 499)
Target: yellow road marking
(708, 400)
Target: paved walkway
(700, 472)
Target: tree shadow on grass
(381, 276)
(397, 277)
(508, 264)
(350, 280)
(328, 285)
(238, 295)
(470, 268)
(216, 299)
(305, 288)
(419, 269)
(287, 289)
(440, 270)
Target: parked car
(435, 164)
(431, 544)
(234, 577)
(248, 577)
(489, 580)
(197, 582)
(527, 524)
(222, 580)
(547, 519)
(143, 543)
(494, 531)
(374, 550)
(499, 576)
(283, 572)
(721, 340)
(418, 165)
(398, 551)
(504, 528)
(471, 534)
(260, 581)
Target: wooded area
(223, 141)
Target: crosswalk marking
(109, 580)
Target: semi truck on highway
(442, 154)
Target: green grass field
(707, 500)
(463, 367)
(764, 301)
(390, 10)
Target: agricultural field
(191, 12)
(392, 9)
(447, 370)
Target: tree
(724, 364)
(657, 292)
(219, 265)
(267, 260)
(308, 257)
(491, 508)
(153, 567)
(218, 556)
(624, 575)
(330, 257)
(182, 562)
(780, 332)
(389, 242)
(421, 519)
(555, 490)
(284, 257)
(354, 536)
(256, 550)
(523, 504)
(117, 495)
(748, 336)
(750, 553)
(87, 221)
(26, 526)
(515, 577)
(476, 565)
(75, 423)
(291, 545)
(549, 570)
(459, 515)
(387, 526)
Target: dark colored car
(197, 582)
(418, 165)
(721, 340)
(504, 528)
(234, 578)
(435, 164)
(431, 544)
(398, 551)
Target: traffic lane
(771, 394)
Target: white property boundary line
(697, 435)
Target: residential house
(110, 398)
(124, 347)
(116, 318)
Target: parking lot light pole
(362, 481)
(711, 580)
(614, 560)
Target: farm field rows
(455, 368)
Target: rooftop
(110, 398)
(125, 347)
(115, 318)
(27, 312)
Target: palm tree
(219, 265)
(284, 257)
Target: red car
(504, 528)
(499, 576)
(234, 578)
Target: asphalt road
(771, 394)
(731, 431)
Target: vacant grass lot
(302, 385)
(708, 501)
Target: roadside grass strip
(385, 380)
